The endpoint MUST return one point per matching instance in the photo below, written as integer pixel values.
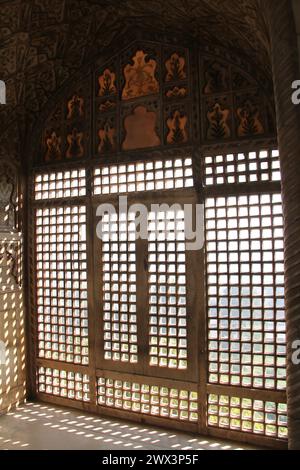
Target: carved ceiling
(43, 43)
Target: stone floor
(39, 426)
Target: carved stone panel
(177, 126)
(140, 77)
(141, 129)
(175, 68)
(107, 135)
(66, 133)
(218, 118)
(249, 115)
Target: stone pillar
(285, 64)
(12, 328)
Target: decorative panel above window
(151, 95)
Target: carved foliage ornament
(53, 152)
(75, 147)
(65, 131)
(177, 125)
(175, 66)
(107, 136)
(218, 122)
(107, 83)
(75, 107)
(249, 119)
(140, 77)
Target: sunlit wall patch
(2, 92)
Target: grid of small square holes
(167, 289)
(61, 262)
(72, 385)
(119, 287)
(244, 414)
(60, 184)
(144, 176)
(148, 399)
(249, 167)
(245, 291)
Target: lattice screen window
(143, 176)
(61, 184)
(167, 289)
(72, 385)
(242, 168)
(148, 399)
(61, 275)
(265, 418)
(119, 288)
(245, 291)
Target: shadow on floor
(38, 426)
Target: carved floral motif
(249, 117)
(175, 66)
(53, 144)
(75, 147)
(140, 77)
(106, 138)
(75, 107)
(218, 123)
(107, 84)
(216, 77)
(176, 92)
(177, 125)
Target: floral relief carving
(107, 136)
(175, 66)
(176, 92)
(250, 121)
(107, 106)
(140, 77)
(177, 125)
(216, 78)
(75, 107)
(218, 122)
(75, 147)
(53, 143)
(107, 83)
